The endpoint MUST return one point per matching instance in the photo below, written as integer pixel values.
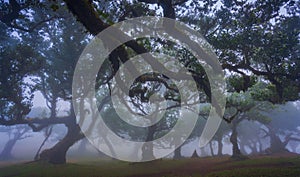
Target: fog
(252, 135)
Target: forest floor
(276, 165)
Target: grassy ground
(212, 167)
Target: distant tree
(15, 134)
(283, 128)
(241, 106)
(222, 131)
(251, 137)
(250, 38)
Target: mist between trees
(256, 42)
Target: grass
(211, 167)
(259, 172)
(87, 169)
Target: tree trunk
(203, 152)
(253, 148)
(6, 152)
(147, 149)
(294, 146)
(243, 148)
(233, 139)
(57, 154)
(177, 153)
(195, 155)
(47, 135)
(220, 146)
(236, 153)
(276, 145)
(260, 145)
(211, 149)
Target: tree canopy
(256, 42)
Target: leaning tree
(250, 38)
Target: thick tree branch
(87, 15)
(31, 121)
(33, 27)
(231, 118)
(149, 1)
